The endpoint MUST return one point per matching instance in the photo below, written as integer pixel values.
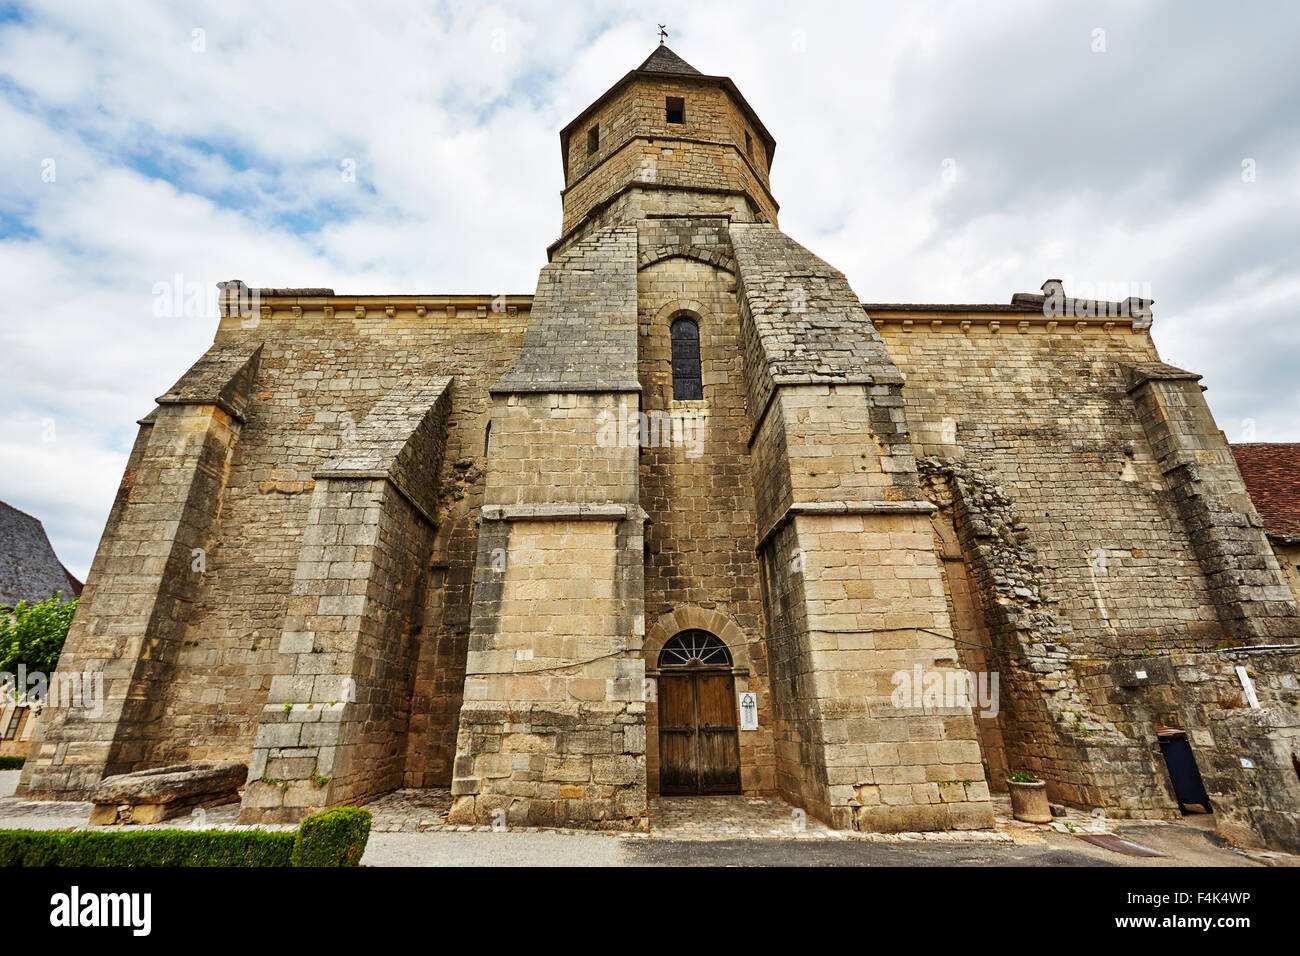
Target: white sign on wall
(1248, 688)
(748, 711)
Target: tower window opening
(749, 145)
(688, 383)
(676, 109)
(593, 140)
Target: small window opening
(676, 109)
(687, 381)
(749, 145)
(593, 139)
(487, 440)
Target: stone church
(689, 519)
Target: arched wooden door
(699, 750)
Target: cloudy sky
(936, 152)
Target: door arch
(699, 745)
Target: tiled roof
(29, 570)
(664, 60)
(1272, 475)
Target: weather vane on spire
(662, 33)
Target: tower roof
(664, 60)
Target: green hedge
(12, 763)
(333, 838)
(145, 848)
(330, 838)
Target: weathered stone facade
(377, 541)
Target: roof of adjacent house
(1271, 471)
(29, 569)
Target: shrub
(334, 837)
(33, 634)
(12, 763)
(1020, 776)
(145, 848)
(330, 838)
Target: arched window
(694, 649)
(687, 383)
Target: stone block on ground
(151, 796)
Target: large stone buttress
(552, 728)
(853, 584)
(332, 730)
(142, 585)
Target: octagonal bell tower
(664, 140)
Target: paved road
(1186, 846)
(450, 848)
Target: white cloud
(226, 163)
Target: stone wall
(552, 730)
(1248, 756)
(326, 361)
(1288, 558)
(21, 741)
(1066, 532)
(1226, 533)
(1046, 410)
(1250, 763)
(1046, 722)
(695, 480)
(1098, 530)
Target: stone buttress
(334, 724)
(142, 584)
(552, 728)
(854, 586)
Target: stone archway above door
(691, 617)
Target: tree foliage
(33, 634)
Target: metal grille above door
(694, 649)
